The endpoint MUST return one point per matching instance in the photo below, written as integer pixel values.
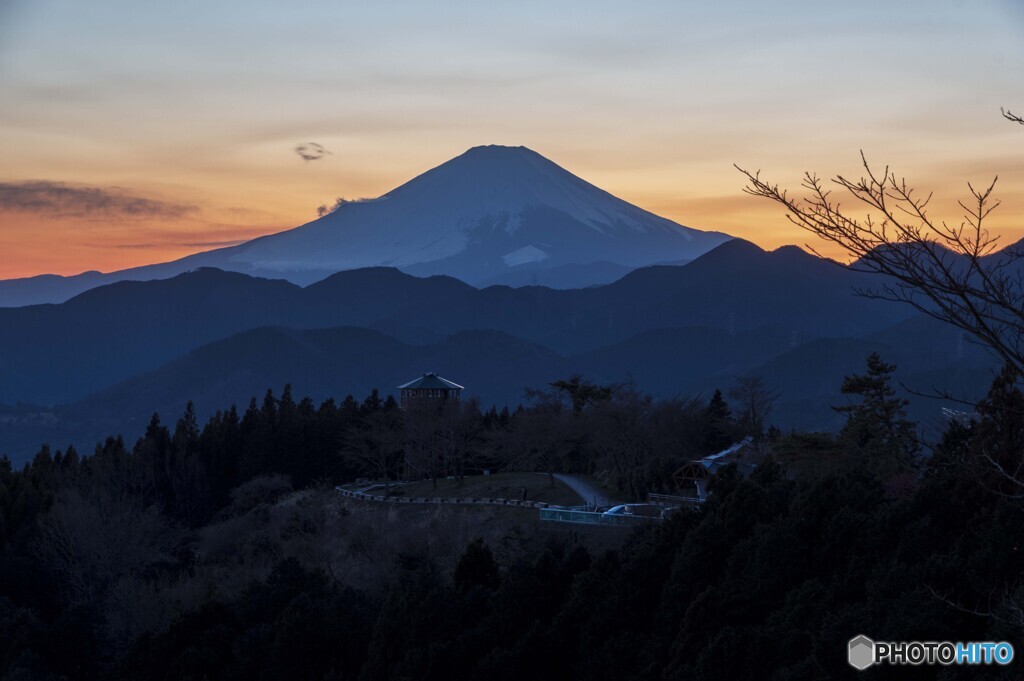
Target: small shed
(693, 475)
(430, 387)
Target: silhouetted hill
(320, 363)
(63, 352)
(497, 367)
(47, 288)
(562, 276)
(370, 295)
(680, 362)
(934, 342)
(60, 353)
(736, 287)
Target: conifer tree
(877, 425)
(718, 424)
(476, 567)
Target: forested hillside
(219, 551)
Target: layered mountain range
(104, 361)
(379, 292)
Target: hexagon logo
(861, 652)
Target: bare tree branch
(1006, 609)
(955, 273)
(936, 393)
(1009, 115)
(952, 273)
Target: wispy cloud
(173, 244)
(311, 151)
(212, 244)
(65, 200)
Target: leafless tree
(542, 435)
(463, 429)
(1004, 606)
(426, 440)
(952, 272)
(375, 445)
(89, 541)
(754, 400)
(623, 434)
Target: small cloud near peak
(311, 151)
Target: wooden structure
(692, 477)
(429, 387)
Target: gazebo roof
(431, 381)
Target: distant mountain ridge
(491, 215)
(332, 363)
(106, 359)
(61, 353)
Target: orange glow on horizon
(137, 137)
(32, 244)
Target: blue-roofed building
(431, 387)
(692, 477)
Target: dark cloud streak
(63, 200)
(311, 151)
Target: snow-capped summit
(481, 215)
(491, 215)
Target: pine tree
(877, 425)
(186, 431)
(581, 392)
(476, 567)
(372, 403)
(718, 423)
(186, 472)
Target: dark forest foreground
(220, 552)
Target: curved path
(587, 490)
(456, 501)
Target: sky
(134, 133)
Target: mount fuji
(493, 215)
